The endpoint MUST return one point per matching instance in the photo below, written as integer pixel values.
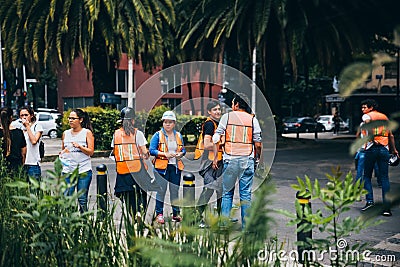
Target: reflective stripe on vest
(239, 134)
(161, 162)
(200, 144)
(126, 152)
(380, 133)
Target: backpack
(41, 146)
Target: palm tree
(330, 32)
(59, 31)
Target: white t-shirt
(32, 151)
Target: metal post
(398, 80)
(102, 187)
(188, 189)
(1, 75)
(302, 236)
(253, 85)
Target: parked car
(49, 122)
(327, 121)
(301, 124)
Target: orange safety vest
(239, 134)
(380, 133)
(200, 144)
(126, 152)
(161, 162)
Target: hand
(76, 145)
(179, 155)
(25, 122)
(169, 155)
(215, 164)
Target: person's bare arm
(392, 145)
(258, 146)
(23, 153)
(208, 143)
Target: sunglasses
(24, 115)
(72, 118)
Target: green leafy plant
(330, 221)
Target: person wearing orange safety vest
(129, 146)
(167, 148)
(381, 142)
(242, 151)
(204, 151)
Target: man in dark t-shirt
(16, 157)
(211, 183)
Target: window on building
(171, 85)
(391, 70)
(172, 103)
(77, 102)
(122, 81)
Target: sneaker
(176, 218)
(387, 213)
(234, 220)
(368, 205)
(235, 207)
(160, 219)
(203, 225)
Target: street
(313, 158)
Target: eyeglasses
(72, 118)
(24, 115)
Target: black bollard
(189, 189)
(302, 235)
(316, 132)
(102, 187)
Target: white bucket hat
(169, 115)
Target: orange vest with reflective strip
(200, 144)
(380, 133)
(161, 162)
(126, 152)
(239, 134)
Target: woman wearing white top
(78, 147)
(32, 132)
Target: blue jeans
(173, 177)
(33, 171)
(379, 155)
(360, 157)
(242, 168)
(83, 184)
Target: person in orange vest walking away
(129, 147)
(167, 147)
(377, 149)
(242, 151)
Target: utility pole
(1, 75)
(130, 83)
(253, 85)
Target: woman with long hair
(13, 141)
(32, 132)
(78, 147)
(129, 147)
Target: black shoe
(234, 220)
(367, 206)
(387, 213)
